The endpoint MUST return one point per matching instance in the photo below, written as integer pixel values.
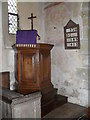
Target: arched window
(12, 16)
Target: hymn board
(71, 34)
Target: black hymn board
(71, 34)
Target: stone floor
(67, 110)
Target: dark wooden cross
(31, 20)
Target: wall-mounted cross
(31, 20)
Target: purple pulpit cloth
(26, 37)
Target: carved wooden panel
(46, 65)
(28, 68)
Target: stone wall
(28, 106)
(69, 67)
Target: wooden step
(48, 96)
(54, 103)
(60, 100)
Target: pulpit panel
(46, 66)
(28, 71)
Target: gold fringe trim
(26, 45)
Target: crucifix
(31, 20)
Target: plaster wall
(89, 53)
(8, 40)
(0, 51)
(24, 10)
(69, 67)
(0, 36)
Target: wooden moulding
(5, 79)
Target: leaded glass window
(12, 16)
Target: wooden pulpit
(33, 73)
(33, 68)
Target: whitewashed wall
(0, 52)
(0, 36)
(89, 53)
(7, 41)
(69, 67)
(25, 9)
